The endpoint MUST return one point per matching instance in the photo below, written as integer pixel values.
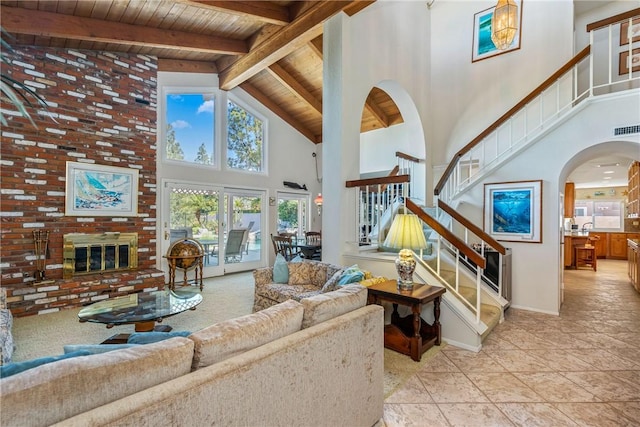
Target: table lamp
(407, 235)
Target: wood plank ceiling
(271, 49)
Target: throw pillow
(151, 337)
(332, 283)
(280, 270)
(351, 275)
(17, 367)
(95, 348)
(297, 258)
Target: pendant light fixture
(504, 24)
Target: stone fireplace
(97, 253)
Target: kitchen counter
(571, 240)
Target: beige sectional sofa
(314, 362)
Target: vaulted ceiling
(271, 49)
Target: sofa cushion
(69, 387)
(322, 307)
(226, 339)
(280, 270)
(300, 273)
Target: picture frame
(624, 62)
(627, 32)
(99, 190)
(483, 47)
(513, 211)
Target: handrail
(537, 91)
(471, 226)
(448, 235)
(395, 179)
(613, 19)
(408, 157)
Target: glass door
(293, 213)
(243, 248)
(194, 211)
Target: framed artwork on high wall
(98, 190)
(483, 46)
(513, 211)
(629, 31)
(627, 62)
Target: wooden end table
(410, 335)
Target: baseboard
(535, 310)
(463, 346)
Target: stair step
(490, 316)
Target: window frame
(593, 216)
(191, 90)
(265, 135)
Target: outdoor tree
(174, 150)
(245, 138)
(288, 212)
(202, 156)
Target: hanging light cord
(315, 157)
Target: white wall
(289, 154)
(467, 97)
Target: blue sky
(191, 116)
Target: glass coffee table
(143, 309)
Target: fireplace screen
(94, 253)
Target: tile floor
(581, 368)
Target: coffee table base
(123, 338)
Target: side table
(410, 335)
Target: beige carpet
(223, 298)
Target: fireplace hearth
(96, 253)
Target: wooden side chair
(284, 245)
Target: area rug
(398, 368)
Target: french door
(226, 222)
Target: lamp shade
(406, 233)
(504, 24)
(318, 200)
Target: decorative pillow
(17, 367)
(351, 275)
(231, 337)
(95, 348)
(373, 281)
(300, 273)
(297, 258)
(322, 307)
(151, 337)
(280, 270)
(332, 283)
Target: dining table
(306, 249)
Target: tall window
(190, 121)
(245, 138)
(601, 214)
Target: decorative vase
(405, 266)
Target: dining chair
(284, 245)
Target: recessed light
(607, 177)
(608, 172)
(606, 165)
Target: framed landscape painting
(97, 190)
(483, 46)
(513, 211)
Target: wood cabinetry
(569, 199)
(634, 262)
(633, 206)
(600, 244)
(617, 246)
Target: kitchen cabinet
(600, 244)
(634, 262)
(569, 199)
(617, 246)
(633, 205)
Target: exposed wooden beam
(357, 7)
(264, 11)
(316, 46)
(288, 39)
(180, 65)
(375, 110)
(295, 87)
(280, 112)
(47, 24)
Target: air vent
(626, 130)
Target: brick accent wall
(104, 112)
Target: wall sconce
(504, 24)
(318, 202)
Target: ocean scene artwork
(96, 190)
(511, 211)
(485, 44)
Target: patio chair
(233, 249)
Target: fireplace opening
(95, 253)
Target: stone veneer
(104, 112)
